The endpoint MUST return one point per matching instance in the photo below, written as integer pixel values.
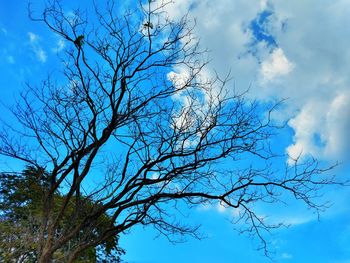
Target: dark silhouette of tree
(22, 197)
(134, 126)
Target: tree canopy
(22, 198)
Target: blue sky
(296, 50)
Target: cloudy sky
(294, 50)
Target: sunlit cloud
(275, 66)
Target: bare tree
(134, 124)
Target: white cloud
(32, 37)
(286, 256)
(179, 79)
(59, 46)
(309, 64)
(298, 218)
(321, 128)
(36, 47)
(220, 207)
(175, 10)
(318, 87)
(263, 4)
(41, 55)
(276, 65)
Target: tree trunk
(46, 257)
(46, 254)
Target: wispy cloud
(10, 59)
(36, 47)
(286, 256)
(33, 38)
(219, 207)
(3, 30)
(60, 45)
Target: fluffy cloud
(319, 86)
(276, 65)
(285, 49)
(321, 128)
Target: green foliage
(21, 212)
(79, 41)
